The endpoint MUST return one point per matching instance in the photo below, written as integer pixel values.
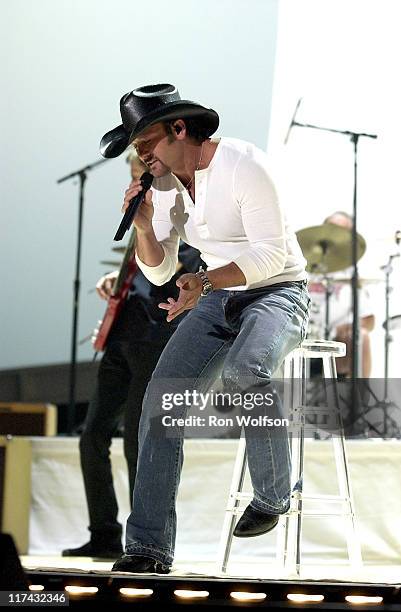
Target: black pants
(132, 352)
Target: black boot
(138, 564)
(254, 522)
(102, 550)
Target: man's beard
(158, 169)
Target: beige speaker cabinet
(15, 489)
(28, 419)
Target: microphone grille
(146, 180)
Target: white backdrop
(67, 63)
(342, 58)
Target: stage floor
(58, 514)
(324, 572)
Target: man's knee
(239, 376)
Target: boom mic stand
(81, 173)
(354, 137)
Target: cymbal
(119, 249)
(362, 280)
(115, 264)
(343, 280)
(328, 247)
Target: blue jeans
(247, 334)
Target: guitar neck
(126, 264)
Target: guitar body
(115, 304)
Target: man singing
(248, 310)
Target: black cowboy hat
(147, 105)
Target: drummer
(340, 323)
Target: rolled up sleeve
(169, 241)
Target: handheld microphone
(292, 121)
(135, 202)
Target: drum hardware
(343, 280)
(392, 323)
(390, 427)
(387, 269)
(325, 249)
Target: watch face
(207, 288)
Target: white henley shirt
(236, 218)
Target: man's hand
(144, 215)
(190, 289)
(104, 285)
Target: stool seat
(318, 348)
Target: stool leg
(293, 535)
(233, 504)
(289, 402)
(302, 375)
(344, 483)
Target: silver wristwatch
(207, 286)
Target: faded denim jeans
(246, 334)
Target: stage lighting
(359, 600)
(136, 592)
(80, 590)
(36, 587)
(304, 598)
(191, 594)
(245, 596)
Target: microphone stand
(354, 137)
(82, 174)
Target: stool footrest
(305, 513)
(312, 409)
(235, 511)
(324, 498)
(238, 496)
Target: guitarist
(133, 347)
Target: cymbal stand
(387, 269)
(328, 294)
(322, 269)
(390, 427)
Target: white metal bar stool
(290, 525)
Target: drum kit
(327, 250)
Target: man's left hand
(190, 289)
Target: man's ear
(179, 127)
